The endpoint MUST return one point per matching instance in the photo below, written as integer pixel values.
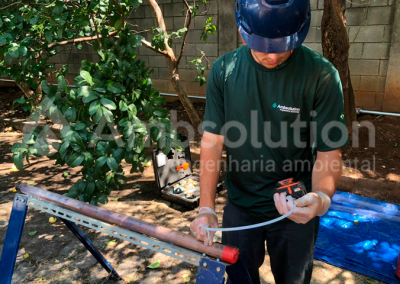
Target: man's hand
(307, 207)
(204, 219)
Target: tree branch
(82, 39)
(97, 32)
(121, 11)
(187, 24)
(161, 23)
(9, 6)
(20, 3)
(148, 45)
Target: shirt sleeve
(214, 118)
(328, 122)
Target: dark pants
(290, 246)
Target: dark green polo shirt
(273, 120)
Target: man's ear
(244, 43)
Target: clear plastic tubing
(249, 226)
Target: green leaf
(108, 104)
(19, 147)
(32, 233)
(100, 90)
(80, 126)
(52, 110)
(73, 191)
(132, 109)
(88, 78)
(111, 243)
(18, 159)
(113, 88)
(31, 182)
(65, 174)
(35, 115)
(101, 161)
(23, 51)
(118, 24)
(135, 3)
(45, 87)
(94, 107)
(81, 185)
(70, 114)
(102, 198)
(107, 114)
(161, 112)
(79, 81)
(118, 154)
(14, 51)
(167, 147)
(112, 164)
(62, 84)
(33, 20)
(90, 188)
(99, 114)
(58, 9)
(89, 161)
(154, 265)
(49, 37)
(75, 160)
(87, 93)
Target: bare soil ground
(56, 256)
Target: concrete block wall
(370, 28)
(369, 25)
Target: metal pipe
(163, 94)
(190, 96)
(219, 251)
(359, 110)
(53, 84)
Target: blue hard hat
(273, 26)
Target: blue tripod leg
(91, 247)
(238, 273)
(13, 238)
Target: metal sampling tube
(219, 251)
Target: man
(276, 105)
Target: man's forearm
(327, 172)
(210, 162)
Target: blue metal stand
(92, 248)
(13, 238)
(212, 272)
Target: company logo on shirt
(286, 109)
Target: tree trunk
(30, 94)
(183, 97)
(335, 46)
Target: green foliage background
(100, 116)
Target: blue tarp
(362, 235)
